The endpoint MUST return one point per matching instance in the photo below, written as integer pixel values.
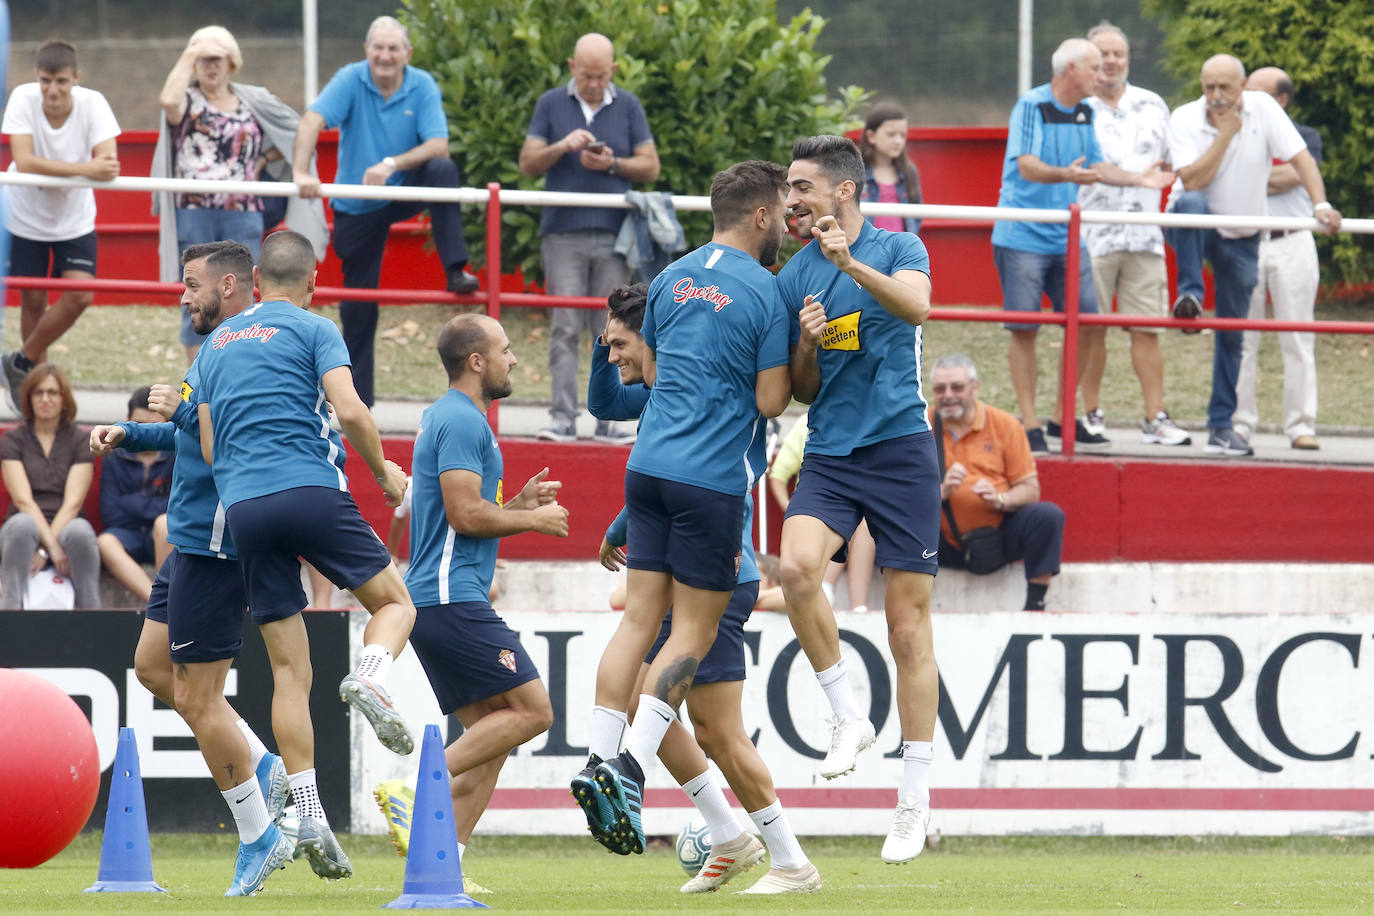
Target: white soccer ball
(694, 845)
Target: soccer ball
(694, 845)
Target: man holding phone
(587, 136)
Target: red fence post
(494, 277)
(1068, 423)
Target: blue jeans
(1235, 270)
(199, 225)
(1025, 275)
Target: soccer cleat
(271, 775)
(327, 858)
(804, 880)
(397, 801)
(290, 827)
(1163, 431)
(847, 738)
(621, 780)
(601, 823)
(257, 860)
(372, 701)
(725, 862)
(471, 887)
(907, 837)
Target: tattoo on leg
(673, 683)
(181, 669)
(229, 768)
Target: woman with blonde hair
(891, 176)
(47, 470)
(218, 130)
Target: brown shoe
(1306, 443)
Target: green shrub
(1327, 47)
(721, 81)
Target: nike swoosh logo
(766, 823)
(698, 792)
(178, 646)
(239, 801)
(665, 718)
(927, 554)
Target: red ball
(49, 770)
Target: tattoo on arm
(676, 679)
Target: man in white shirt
(1222, 146)
(1132, 127)
(1288, 273)
(56, 128)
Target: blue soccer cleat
(621, 781)
(257, 860)
(276, 787)
(601, 819)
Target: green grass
(568, 874)
(122, 347)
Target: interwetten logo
(256, 332)
(684, 289)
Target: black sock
(1035, 596)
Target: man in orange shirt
(990, 480)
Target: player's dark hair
(463, 336)
(837, 157)
(56, 56)
(139, 399)
(287, 259)
(225, 258)
(626, 305)
(744, 187)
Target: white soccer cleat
(847, 738)
(907, 837)
(804, 880)
(725, 862)
(375, 705)
(471, 887)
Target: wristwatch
(615, 166)
(389, 162)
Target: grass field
(569, 874)
(123, 347)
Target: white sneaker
(725, 862)
(847, 738)
(1163, 431)
(804, 880)
(1095, 422)
(907, 837)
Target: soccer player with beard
(861, 294)
(718, 329)
(479, 670)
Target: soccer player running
(479, 670)
(715, 699)
(260, 387)
(861, 294)
(717, 327)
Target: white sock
(710, 800)
(835, 681)
(462, 851)
(246, 803)
(608, 727)
(829, 591)
(650, 725)
(375, 664)
(256, 749)
(306, 795)
(783, 848)
(916, 757)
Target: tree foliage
(721, 81)
(1327, 47)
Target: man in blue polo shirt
(1050, 140)
(392, 131)
(588, 136)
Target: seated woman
(47, 471)
(891, 175)
(134, 487)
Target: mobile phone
(596, 146)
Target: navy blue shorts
(156, 611)
(468, 653)
(322, 525)
(205, 605)
(692, 532)
(894, 485)
(30, 258)
(725, 661)
(137, 544)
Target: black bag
(982, 547)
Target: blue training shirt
(869, 358)
(372, 128)
(1055, 135)
(715, 321)
(195, 516)
(260, 373)
(447, 567)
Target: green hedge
(721, 81)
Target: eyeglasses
(47, 392)
(952, 388)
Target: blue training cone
(434, 876)
(126, 858)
